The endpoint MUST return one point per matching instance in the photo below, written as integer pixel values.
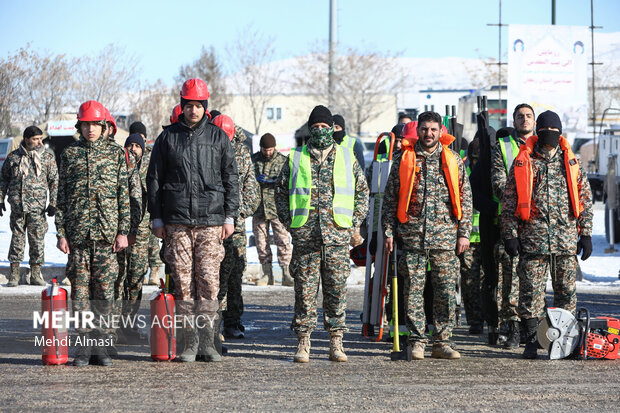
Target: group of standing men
(201, 183)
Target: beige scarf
(35, 155)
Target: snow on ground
(599, 271)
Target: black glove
(512, 246)
(2, 208)
(51, 210)
(585, 244)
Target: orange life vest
(524, 177)
(407, 171)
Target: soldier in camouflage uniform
(235, 261)
(470, 260)
(92, 223)
(434, 225)
(155, 263)
(27, 175)
(502, 158)
(268, 164)
(133, 261)
(546, 219)
(193, 192)
(322, 197)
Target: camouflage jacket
(431, 223)
(320, 228)
(499, 173)
(248, 186)
(552, 227)
(28, 193)
(271, 169)
(93, 197)
(136, 176)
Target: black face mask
(549, 137)
(339, 135)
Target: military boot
(14, 275)
(287, 280)
(531, 345)
(190, 339)
(233, 332)
(35, 275)
(336, 351)
(100, 350)
(514, 336)
(303, 348)
(444, 351)
(417, 352)
(267, 278)
(154, 275)
(82, 357)
(206, 348)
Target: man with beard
(428, 207)
(268, 164)
(28, 174)
(502, 157)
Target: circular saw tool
(558, 333)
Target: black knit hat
(548, 119)
(397, 130)
(339, 120)
(135, 138)
(214, 113)
(267, 141)
(137, 127)
(204, 103)
(320, 114)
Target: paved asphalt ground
(258, 374)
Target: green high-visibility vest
(509, 149)
(474, 236)
(300, 186)
(348, 142)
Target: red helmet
(176, 111)
(226, 124)
(410, 130)
(91, 110)
(194, 89)
(110, 119)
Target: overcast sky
(166, 34)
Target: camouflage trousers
(508, 284)
(533, 270)
(443, 275)
(314, 264)
(154, 260)
(231, 272)
(132, 267)
(260, 227)
(194, 254)
(34, 225)
(471, 283)
(92, 270)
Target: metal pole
(553, 12)
(333, 33)
(499, 66)
(593, 88)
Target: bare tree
(34, 87)
(107, 78)
(364, 82)
(153, 106)
(208, 68)
(255, 78)
(489, 75)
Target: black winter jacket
(192, 177)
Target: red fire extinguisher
(163, 342)
(55, 347)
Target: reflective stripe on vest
(475, 217)
(524, 178)
(509, 148)
(300, 184)
(348, 142)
